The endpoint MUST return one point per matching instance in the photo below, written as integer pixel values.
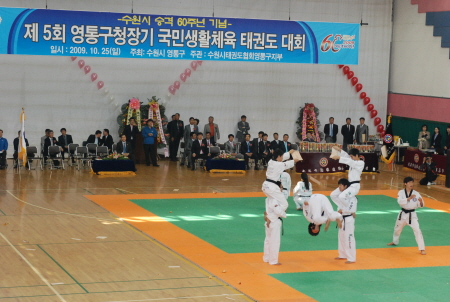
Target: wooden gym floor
(63, 236)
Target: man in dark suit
(447, 139)
(275, 144)
(309, 138)
(264, 149)
(331, 131)
(64, 140)
(131, 131)
(50, 141)
(125, 148)
(256, 142)
(209, 140)
(95, 138)
(347, 131)
(199, 149)
(285, 145)
(249, 150)
(107, 140)
(172, 128)
(190, 128)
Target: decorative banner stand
(134, 110)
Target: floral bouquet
(226, 156)
(114, 156)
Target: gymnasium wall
(420, 69)
(56, 93)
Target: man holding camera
(430, 171)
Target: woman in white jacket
(302, 191)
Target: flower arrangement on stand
(225, 156)
(308, 122)
(113, 156)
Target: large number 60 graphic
(327, 44)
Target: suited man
(180, 125)
(285, 145)
(50, 141)
(331, 131)
(107, 140)
(264, 149)
(436, 140)
(447, 139)
(43, 139)
(257, 140)
(347, 132)
(360, 130)
(231, 147)
(190, 128)
(172, 128)
(209, 140)
(95, 138)
(243, 128)
(188, 150)
(199, 150)
(64, 140)
(275, 144)
(249, 150)
(125, 148)
(131, 131)
(309, 138)
(212, 128)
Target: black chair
(33, 154)
(54, 154)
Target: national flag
(388, 150)
(22, 145)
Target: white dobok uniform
(302, 194)
(319, 210)
(346, 234)
(285, 179)
(274, 170)
(408, 216)
(272, 241)
(354, 174)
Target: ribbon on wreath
(153, 111)
(134, 105)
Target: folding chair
(101, 151)
(214, 151)
(92, 150)
(54, 153)
(33, 154)
(114, 148)
(181, 152)
(222, 148)
(81, 156)
(71, 149)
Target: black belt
(406, 212)
(278, 183)
(282, 227)
(285, 189)
(303, 196)
(355, 182)
(343, 218)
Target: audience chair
(101, 151)
(181, 152)
(54, 153)
(214, 151)
(81, 156)
(222, 148)
(33, 154)
(114, 148)
(71, 149)
(92, 150)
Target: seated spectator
(249, 150)
(95, 138)
(309, 138)
(107, 140)
(208, 140)
(3, 149)
(264, 149)
(125, 148)
(64, 140)
(275, 144)
(199, 150)
(231, 147)
(285, 144)
(50, 141)
(43, 139)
